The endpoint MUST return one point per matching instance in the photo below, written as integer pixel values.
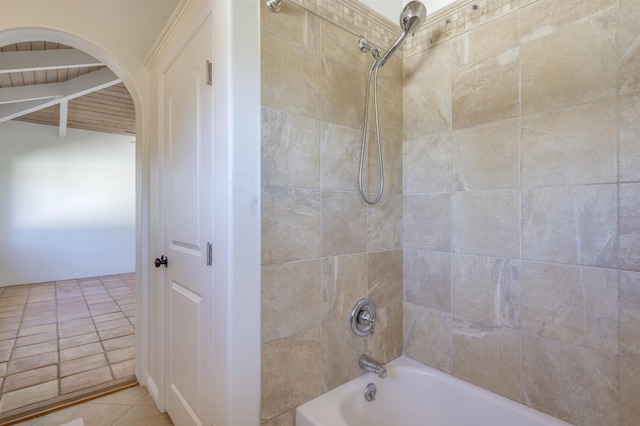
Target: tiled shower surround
(506, 249)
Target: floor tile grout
(72, 300)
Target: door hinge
(209, 73)
(209, 254)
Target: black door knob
(161, 261)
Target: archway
(28, 34)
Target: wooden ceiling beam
(65, 91)
(45, 60)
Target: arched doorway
(141, 184)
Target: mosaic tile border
(444, 24)
(458, 18)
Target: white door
(187, 230)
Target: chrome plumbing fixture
(411, 18)
(363, 316)
(275, 5)
(371, 365)
(365, 47)
(370, 392)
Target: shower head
(411, 18)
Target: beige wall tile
(426, 107)
(340, 352)
(427, 222)
(486, 156)
(428, 336)
(487, 223)
(574, 225)
(291, 373)
(343, 93)
(341, 149)
(486, 41)
(548, 17)
(344, 282)
(630, 314)
(385, 344)
(629, 391)
(574, 304)
(425, 65)
(344, 225)
(574, 384)
(290, 224)
(385, 277)
(486, 91)
(389, 106)
(487, 356)
(628, 38)
(629, 134)
(290, 150)
(577, 64)
(570, 146)
(285, 288)
(293, 22)
(426, 164)
(290, 76)
(487, 289)
(342, 46)
(630, 226)
(427, 279)
(384, 223)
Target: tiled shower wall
(323, 248)
(521, 205)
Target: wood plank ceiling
(109, 110)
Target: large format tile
(629, 213)
(629, 134)
(427, 279)
(569, 58)
(487, 223)
(574, 304)
(428, 336)
(344, 282)
(486, 156)
(426, 164)
(290, 150)
(573, 224)
(630, 314)
(286, 287)
(487, 289)
(291, 373)
(290, 76)
(574, 384)
(488, 356)
(426, 222)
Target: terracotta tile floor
(61, 337)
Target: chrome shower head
(412, 17)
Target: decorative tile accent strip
(458, 18)
(454, 19)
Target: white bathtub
(416, 395)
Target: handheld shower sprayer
(411, 18)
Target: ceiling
(35, 86)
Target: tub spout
(369, 364)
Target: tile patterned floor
(61, 337)
(130, 407)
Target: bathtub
(416, 395)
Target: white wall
(391, 9)
(67, 206)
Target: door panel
(186, 226)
